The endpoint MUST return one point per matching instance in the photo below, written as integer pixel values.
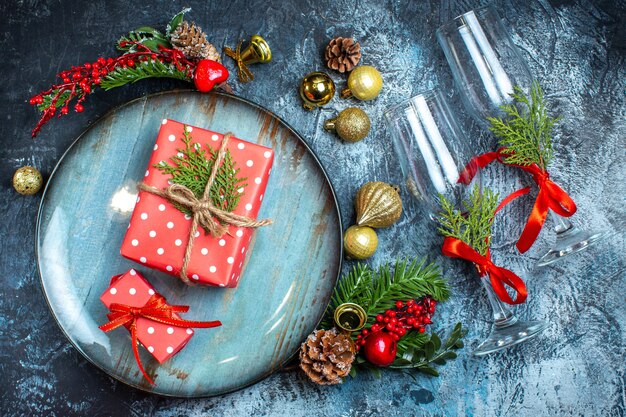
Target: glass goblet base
(569, 241)
(506, 333)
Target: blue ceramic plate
(284, 290)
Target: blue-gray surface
(576, 49)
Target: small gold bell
(377, 204)
(258, 51)
(316, 90)
(360, 242)
(364, 83)
(352, 124)
(350, 317)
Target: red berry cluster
(414, 314)
(79, 81)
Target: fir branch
(526, 131)
(473, 226)
(378, 291)
(146, 36)
(143, 69)
(192, 166)
(409, 281)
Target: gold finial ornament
(27, 180)
(257, 51)
(364, 83)
(377, 204)
(352, 124)
(316, 90)
(360, 242)
(350, 317)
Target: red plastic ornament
(208, 73)
(380, 348)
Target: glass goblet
(432, 152)
(485, 62)
(486, 65)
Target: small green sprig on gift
(473, 224)
(526, 131)
(192, 166)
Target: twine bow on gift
(498, 276)
(204, 212)
(550, 195)
(243, 72)
(155, 309)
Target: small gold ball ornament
(27, 180)
(316, 90)
(360, 242)
(352, 124)
(364, 83)
(377, 204)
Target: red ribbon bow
(155, 309)
(550, 195)
(498, 276)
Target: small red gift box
(162, 340)
(158, 232)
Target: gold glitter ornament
(352, 124)
(316, 90)
(360, 242)
(364, 83)
(27, 180)
(377, 204)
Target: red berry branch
(79, 81)
(379, 341)
(147, 53)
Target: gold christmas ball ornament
(27, 180)
(377, 204)
(360, 242)
(350, 317)
(352, 124)
(364, 83)
(316, 90)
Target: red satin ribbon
(498, 276)
(550, 195)
(155, 309)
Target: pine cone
(342, 54)
(326, 356)
(191, 41)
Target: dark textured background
(576, 49)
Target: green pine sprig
(473, 224)
(192, 166)
(142, 69)
(378, 290)
(526, 131)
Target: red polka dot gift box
(159, 230)
(159, 336)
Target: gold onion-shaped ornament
(316, 90)
(351, 125)
(360, 242)
(377, 204)
(364, 83)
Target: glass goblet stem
(502, 315)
